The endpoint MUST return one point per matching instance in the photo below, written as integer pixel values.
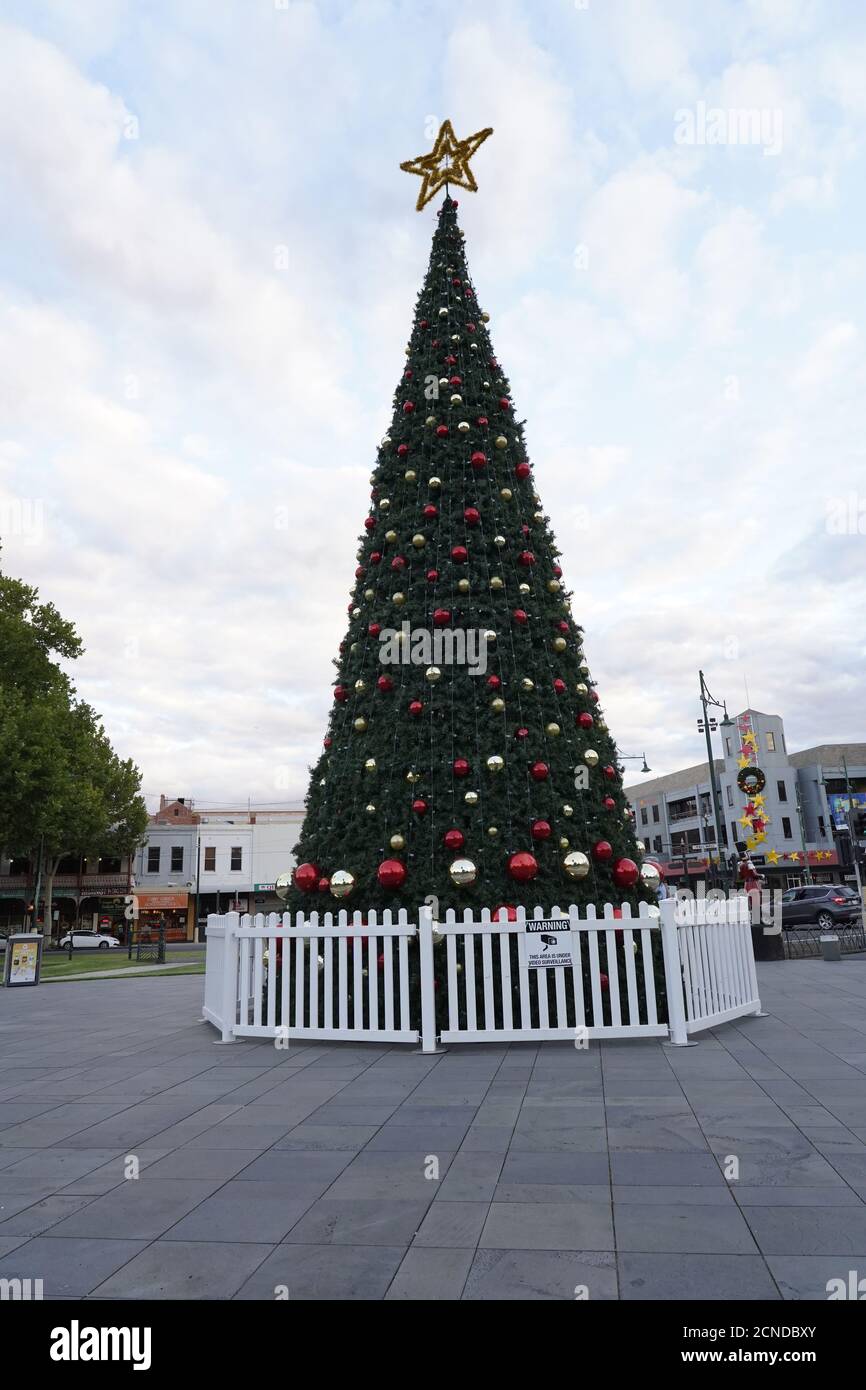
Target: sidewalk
(733, 1169)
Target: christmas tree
(466, 756)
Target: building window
(728, 746)
(177, 859)
(237, 858)
(153, 859)
(786, 827)
(657, 844)
(734, 836)
(771, 743)
(782, 791)
(655, 814)
(210, 859)
(729, 789)
(822, 828)
(643, 815)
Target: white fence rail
(634, 974)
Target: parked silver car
(89, 940)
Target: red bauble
(471, 516)
(408, 407)
(520, 617)
(523, 866)
(432, 576)
(369, 523)
(398, 563)
(625, 873)
(385, 683)
(604, 981)
(504, 402)
(450, 360)
(478, 460)
(441, 431)
(455, 381)
(403, 449)
(375, 557)
(441, 617)
(341, 694)
(431, 511)
(538, 772)
(323, 885)
(559, 686)
(526, 558)
(454, 839)
(360, 572)
(540, 830)
(306, 877)
(521, 733)
(482, 421)
(327, 742)
(459, 554)
(557, 570)
(374, 629)
(522, 470)
(460, 767)
(608, 803)
(508, 908)
(593, 695)
(585, 721)
(470, 328)
(424, 324)
(415, 708)
(563, 625)
(419, 807)
(391, 873)
(494, 682)
(602, 851)
(609, 772)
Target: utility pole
(806, 868)
(706, 724)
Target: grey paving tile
(665, 1169)
(171, 1269)
(705, 1194)
(428, 1275)
(579, 1139)
(704, 1278)
(518, 1275)
(354, 1221)
(297, 1165)
(840, 1196)
(42, 1215)
(202, 1163)
(397, 1176)
(242, 1212)
(548, 1226)
(818, 1278)
(701, 1229)
(325, 1272)
(421, 1141)
(313, 1137)
(452, 1224)
(579, 1168)
(136, 1210)
(471, 1177)
(551, 1192)
(69, 1268)
(801, 1230)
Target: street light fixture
(706, 725)
(634, 758)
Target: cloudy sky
(208, 268)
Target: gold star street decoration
(773, 857)
(447, 162)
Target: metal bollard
(830, 948)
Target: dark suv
(824, 905)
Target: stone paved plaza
(309, 1170)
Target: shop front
(170, 909)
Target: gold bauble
(497, 583)
(432, 674)
(527, 683)
(501, 442)
(471, 798)
(485, 317)
(354, 647)
(564, 843)
(499, 541)
(463, 426)
(490, 636)
(567, 810)
(600, 724)
(370, 765)
(410, 475)
(398, 600)
(360, 724)
(559, 644)
(497, 704)
(443, 313)
(590, 757)
(390, 537)
(462, 872)
(538, 516)
(369, 594)
(370, 809)
(419, 541)
(456, 400)
(553, 730)
(443, 382)
(493, 831)
(506, 494)
(435, 483)
(581, 688)
(524, 589)
(356, 612)
(430, 421)
(397, 841)
(438, 937)
(495, 763)
(342, 883)
(583, 668)
(413, 777)
(385, 442)
(576, 864)
(385, 504)
(360, 686)
(650, 876)
(639, 845)
(463, 586)
(553, 586)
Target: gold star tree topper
(447, 162)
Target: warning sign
(548, 943)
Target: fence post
(428, 992)
(673, 973)
(230, 978)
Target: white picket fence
(350, 977)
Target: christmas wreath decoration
(751, 780)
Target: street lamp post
(707, 724)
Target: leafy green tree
(32, 636)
